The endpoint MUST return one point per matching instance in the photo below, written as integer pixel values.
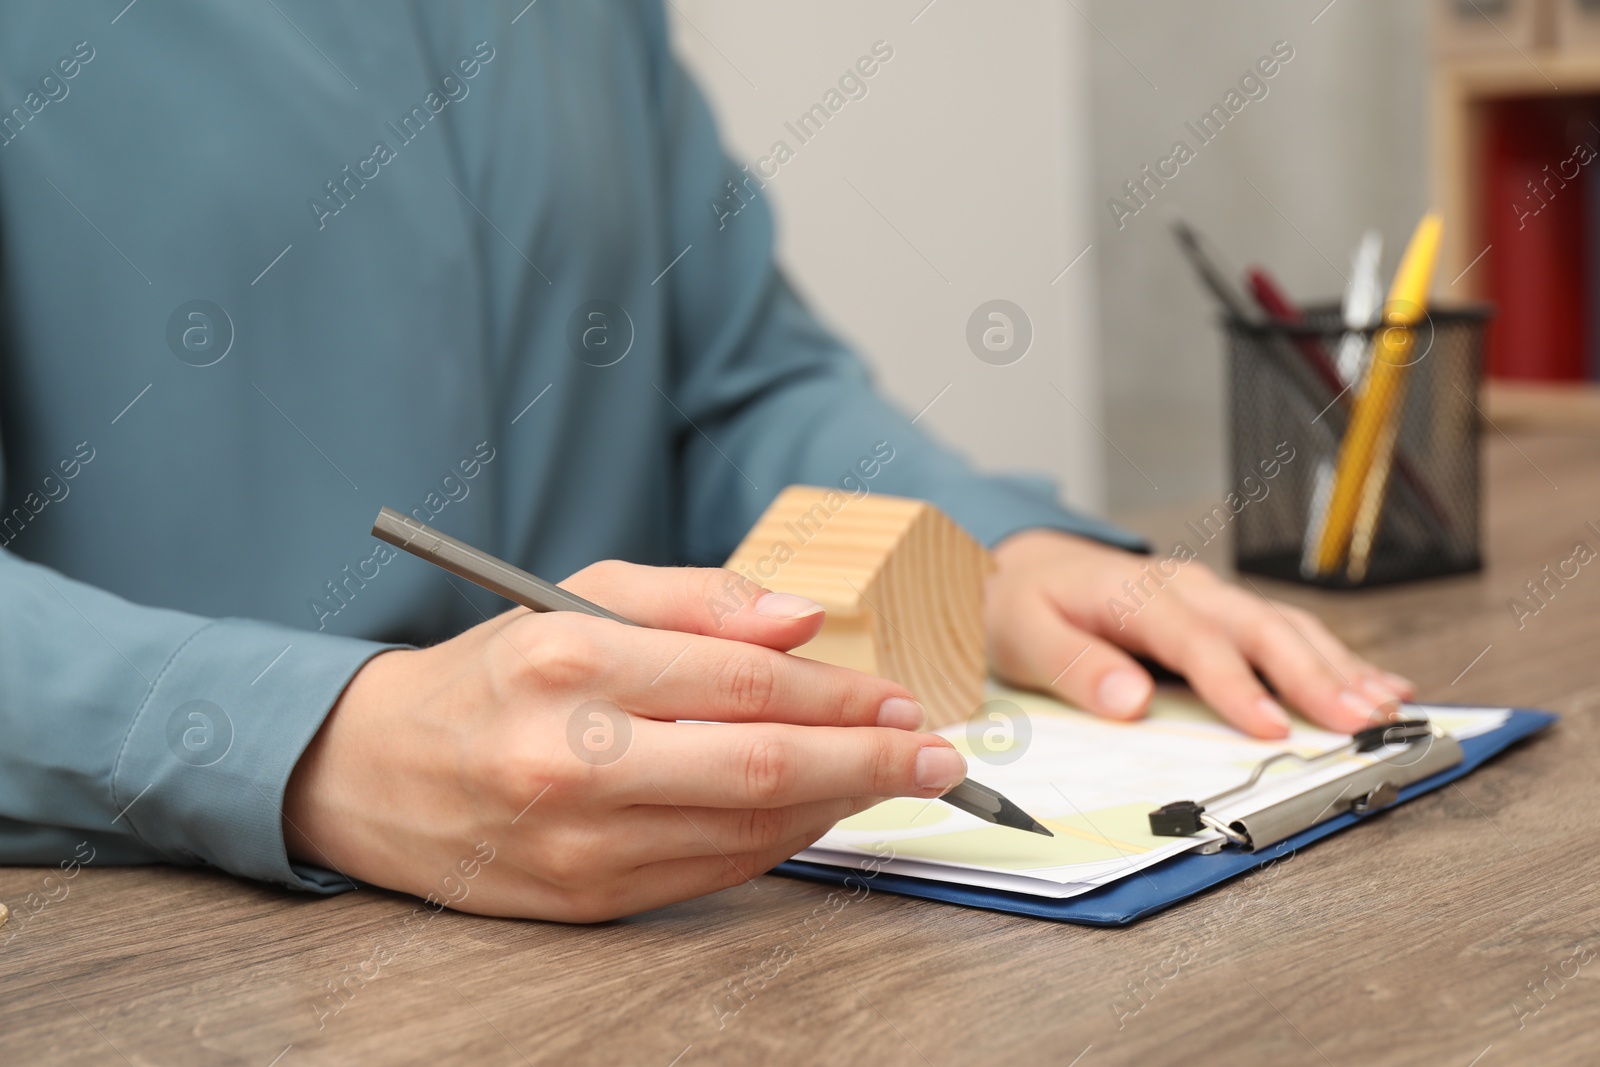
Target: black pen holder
(1290, 409)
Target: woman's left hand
(1060, 618)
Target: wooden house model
(901, 582)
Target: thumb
(700, 600)
(1039, 649)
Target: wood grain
(1537, 407)
(1404, 941)
(902, 584)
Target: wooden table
(1407, 940)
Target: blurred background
(984, 158)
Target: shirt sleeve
(134, 734)
(768, 396)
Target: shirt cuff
(201, 774)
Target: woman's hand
(1054, 623)
(550, 743)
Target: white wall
(1337, 145)
(968, 158)
(993, 140)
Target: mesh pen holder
(1289, 411)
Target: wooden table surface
(1411, 939)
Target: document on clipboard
(1096, 784)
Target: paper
(1094, 783)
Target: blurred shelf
(1463, 89)
(1482, 101)
(1530, 72)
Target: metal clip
(1374, 786)
(1381, 796)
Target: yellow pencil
(1370, 509)
(1382, 393)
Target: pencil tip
(1018, 819)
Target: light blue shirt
(267, 267)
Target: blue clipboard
(1181, 877)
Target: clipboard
(1176, 880)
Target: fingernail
(1400, 685)
(1362, 712)
(898, 713)
(1376, 689)
(1274, 712)
(939, 767)
(1381, 694)
(1123, 693)
(785, 606)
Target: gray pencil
(536, 594)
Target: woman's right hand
(555, 740)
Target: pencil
(536, 594)
(1371, 507)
